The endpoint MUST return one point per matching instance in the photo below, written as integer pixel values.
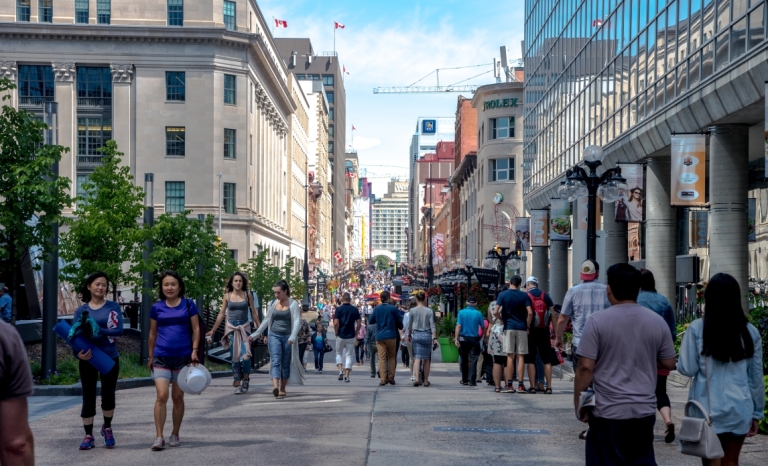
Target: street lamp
(468, 270)
(609, 187)
(305, 269)
(498, 255)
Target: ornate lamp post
(610, 186)
(498, 255)
(468, 271)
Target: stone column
(122, 120)
(728, 175)
(65, 94)
(9, 70)
(540, 265)
(558, 273)
(660, 228)
(615, 237)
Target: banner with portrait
(630, 208)
(539, 228)
(688, 171)
(751, 218)
(522, 234)
(560, 220)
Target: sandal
(497, 390)
(548, 391)
(532, 390)
(669, 434)
(276, 392)
(521, 389)
(281, 395)
(427, 384)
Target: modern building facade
(298, 148)
(302, 60)
(390, 218)
(627, 76)
(465, 144)
(187, 92)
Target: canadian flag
(353, 128)
(337, 25)
(281, 23)
(596, 23)
(344, 68)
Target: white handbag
(697, 436)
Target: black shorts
(538, 343)
(500, 360)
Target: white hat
(194, 379)
(532, 279)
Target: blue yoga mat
(99, 358)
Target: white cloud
(362, 142)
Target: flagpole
(334, 43)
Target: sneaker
(317, 370)
(346, 379)
(159, 444)
(246, 384)
(373, 376)
(109, 438)
(413, 378)
(88, 443)
(174, 441)
(341, 376)
(239, 391)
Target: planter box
(448, 351)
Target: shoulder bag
(697, 436)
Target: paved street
(331, 422)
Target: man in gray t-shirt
(620, 350)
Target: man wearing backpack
(513, 307)
(538, 337)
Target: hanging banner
(582, 212)
(751, 214)
(630, 207)
(688, 170)
(539, 228)
(522, 234)
(699, 225)
(560, 223)
(438, 248)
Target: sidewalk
(329, 422)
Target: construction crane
(498, 67)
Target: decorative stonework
(8, 70)
(122, 72)
(64, 72)
(269, 110)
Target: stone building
(187, 92)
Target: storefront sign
(522, 234)
(428, 126)
(751, 211)
(499, 103)
(539, 228)
(488, 279)
(630, 207)
(688, 171)
(699, 224)
(560, 221)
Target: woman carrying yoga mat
(99, 321)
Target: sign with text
(522, 234)
(560, 220)
(438, 248)
(699, 226)
(688, 170)
(500, 103)
(488, 279)
(629, 208)
(539, 228)
(428, 126)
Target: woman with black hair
(283, 322)
(107, 315)
(235, 306)
(174, 330)
(723, 351)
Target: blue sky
(395, 43)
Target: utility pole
(146, 275)
(430, 266)
(51, 266)
(221, 200)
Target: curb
(122, 384)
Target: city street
(331, 422)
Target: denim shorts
(168, 367)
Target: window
(103, 11)
(229, 15)
(174, 197)
(330, 147)
(330, 114)
(229, 143)
(502, 128)
(81, 180)
(175, 12)
(175, 88)
(35, 85)
(45, 10)
(330, 131)
(327, 80)
(22, 10)
(330, 97)
(81, 11)
(92, 134)
(175, 139)
(229, 89)
(94, 87)
(229, 197)
(502, 169)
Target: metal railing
(94, 101)
(89, 161)
(27, 101)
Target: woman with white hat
(283, 322)
(174, 331)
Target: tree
(33, 197)
(105, 233)
(262, 276)
(381, 262)
(181, 244)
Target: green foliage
(763, 425)
(33, 199)
(295, 279)
(758, 316)
(105, 234)
(381, 262)
(262, 276)
(446, 326)
(180, 244)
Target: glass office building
(598, 69)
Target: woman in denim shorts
(174, 330)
